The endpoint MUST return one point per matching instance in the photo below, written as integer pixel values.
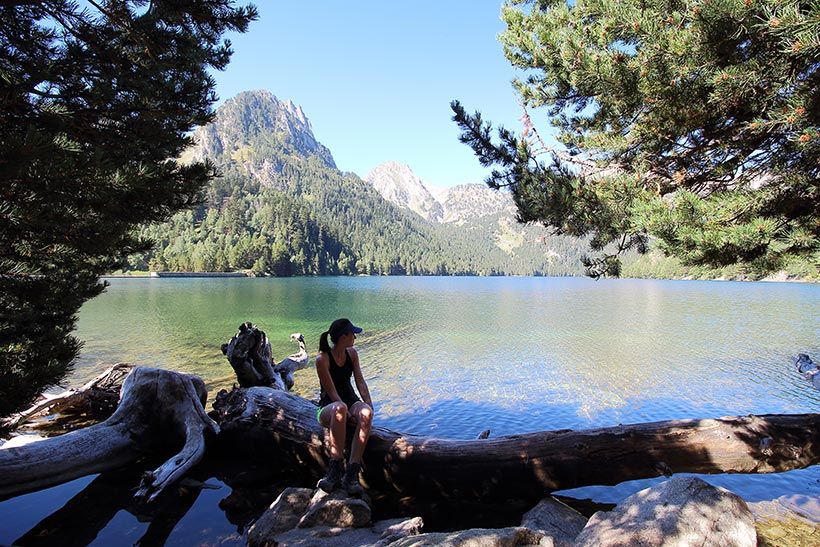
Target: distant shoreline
(151, 275)
(172, 275)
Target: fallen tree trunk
(162, 410)
(264, 420)
(159, 411)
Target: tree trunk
(159, 410)
(263, 420)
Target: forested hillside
(280, 207)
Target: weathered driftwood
(159, 411)
(249, 353)
(101, 388)
(528, 465)
(293, 362)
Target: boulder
(282, 515)
(477, 537)
(393, 530)
(382, 533)
(336, 510)
(679, 511)
(302, 517)
(555, 520)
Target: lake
(452, 356)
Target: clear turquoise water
(450, 357)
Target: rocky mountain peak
(469, 201)
(398, 184)
(258, 117)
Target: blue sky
(376, 78)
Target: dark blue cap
(341, 327)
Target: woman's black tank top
(341, 381)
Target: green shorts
(321, 408)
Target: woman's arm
(357, 374)
(323, 370)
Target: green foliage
(313, 220)
(95, 101)
(693, 123)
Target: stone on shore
(679, 511)
(477, 537)
(282, 515)
(336, 510)
(555, 520)
(304, 517)
(382, 533)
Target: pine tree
(694, 125)
(96, 103)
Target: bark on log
(159, 410)
(528, 465)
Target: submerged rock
(788, 521)
(808, 369)
(679, 511)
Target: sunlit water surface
(450, 357)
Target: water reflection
(83, 517)
(214, 505)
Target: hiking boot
(333, 477)
(351, 479)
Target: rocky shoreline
(679, 511)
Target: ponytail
(323, 345)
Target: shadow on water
(93, 515)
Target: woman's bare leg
(363, 415)
(334, 417)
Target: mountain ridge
(281, 207)
(398, 184)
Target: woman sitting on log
(335, 366)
